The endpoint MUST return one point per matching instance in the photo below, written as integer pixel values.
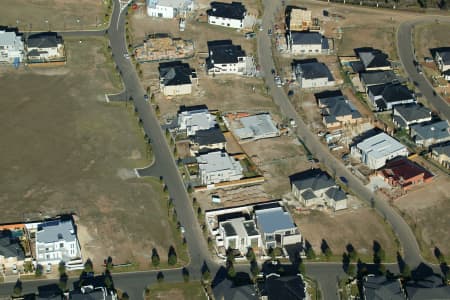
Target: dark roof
(391, 92)
(337, 106)
(372, 58)
(223, 52)
(241, 288)
(10, 246)
(444, 53)
(314, 179)
(209, 136)
(233, 10)
(431, 287)
(306, 38)
(312, 70)
(175, 73)
(250, 228)
(192, 108)
(403, 169)
(44, 40)
(380, 288)
(336, 194)
(377, 77)
(442, 149)
(308, 195)
(229, 229)
(283, 287)
(412, 111)
(432, 130)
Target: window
(61, 245)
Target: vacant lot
(359, 227)
(176, 291)
(426, 211)
(65, 149)
(429, 36)
(277, 158)
(56, 15)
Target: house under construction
(163, 47)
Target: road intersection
(165, 166)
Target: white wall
(226, 22)
(235, 68)
(306, 49)
(318, 82)
(175, 90)
(159, 11)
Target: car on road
(146, 97)
(126, 55)
(290, 93)
(278, 81)
(250, 35)
(344, 180)
(269, 31)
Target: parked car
(344, 180)
(250, 35)
(126, 55)
(278, 81)
(146, 97)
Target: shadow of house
(240, 288)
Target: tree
(254, 268)
(17, 290)
(155, 257)
(230, 255)
(172, 258)
(250, 254)
(328, 253)
(231, 272)
(185, 273)
(310, 254)
(301, 268)
(109, 264)
(352, 254)
(88, 266)
(351, 270)
(160, 277)
(28, 267)
(406, 271)
(39, 270)
(61, 268)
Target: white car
(126, 55)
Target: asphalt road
(403, 232)
(405, 49)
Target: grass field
(429, 36)
(56, 15)
(65, 149)
(358, 227)
(176, 291)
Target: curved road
(405, 50)
(404, 234)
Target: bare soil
(55, 15)
(359, 227)
(66, 150)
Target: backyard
(66, 150)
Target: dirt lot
(44, 15)
(66, 149)
(338, 229)
(426, 210)
(176, 291)
(277, 158)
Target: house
(208, 139)
(430, 133)
(442, 154)
(379, 287)
(45, 47)
(257, 127)
(376, 150)
(240, 234)
(299, 19)
(227, 14)
(431, 287)
(385, 96)
(169, 9)
(403, 173)
(241, 287)
(305, 42)
(316, 187)
(11, 250)
(194, 118)
(405, 115)
(12, 49)
(312, 74)
(226, 58)
(377, 78)
(56, 241)
(373, 59)
(92, 293)
(446, 75)
(337, 111)
(278, 287)
(442, 58)
(276, 226)
(218, 166)
(175, 78)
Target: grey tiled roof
(433, 130)
(379, 288)
(412, 111)
(175, 73)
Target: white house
(240, 234)
(226, 58)
(45, 46)
(276, 226)
(194, 118)
(227, 14)
(11, 47)
(386, 96)
(376, 150)
(218, 166)
(56, 241)
(305, 42)
(169, 9)
(315, 187)
(442, 58)
(312, 74)
(257, 127)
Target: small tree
(301, 268)
(17, 290)
(172, 258)
(310, 254)
(406, 271)
(109, 264)
(231, 272)
(160, 277)
(328, 253)
(61, 268)
(88, 266)
(39, 270)
(250, 254)
(155, 257)
(185, 273)
(254, 268)
(351, 270)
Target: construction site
(163, 47)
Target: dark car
(344, 180)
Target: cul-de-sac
(225, 150)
